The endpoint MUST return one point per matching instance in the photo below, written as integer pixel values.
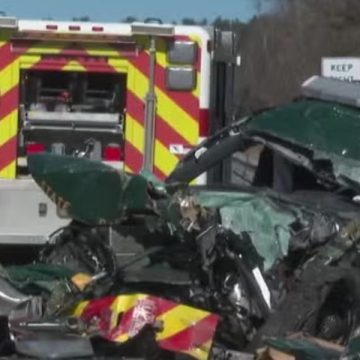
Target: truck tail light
(113, 153)
(74, 27)
(204, 126)
(51, 27)
(97, 29)
(33, 148)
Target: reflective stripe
(7, 158)
(9, 103)
(80, 308)
(178, 113)
(7, 128)
(168, 109)
(196, 337)
(164, 160)
(8, 171)
(73, 66)
(7, 79)
(176, 320)
(184, 329)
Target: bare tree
(281, 49)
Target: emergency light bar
(152, 29)
(327, 89)
(7, 22)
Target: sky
(116, 10)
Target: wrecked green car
(273, 251)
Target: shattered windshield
(328, 129)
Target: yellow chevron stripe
(118, 62)
(202, 352)
(101, 50)
(28, 61)
(31, 57)
(47, 48)
(122, 304)
(122, 338)
(164, 160)
(8, 125)
(73, 66)
(9, 77)
(178, 319)
(176, 117)
(7, 128)
(134, 133)
(9, 171)
(80, 308)
(127, 169)
(120, 65)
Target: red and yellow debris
(180, 328)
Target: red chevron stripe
(193, 336)
(9, 102)
(102, 67)
(100, 309)
(50, 64)
(82, 54)
(134, 161)
(8, 152)
(159, 174)
(184, 99)
(163, 131)
(133, 158)
(161, 306)
(57, 62)
(93, 307)
(6, 57)
(11, 51)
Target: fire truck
(136, 96)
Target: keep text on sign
(346, 68)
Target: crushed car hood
(307, 132)
(271, 219)
(97, 194)
(329, 130)
(303, 132)
(89, 191)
